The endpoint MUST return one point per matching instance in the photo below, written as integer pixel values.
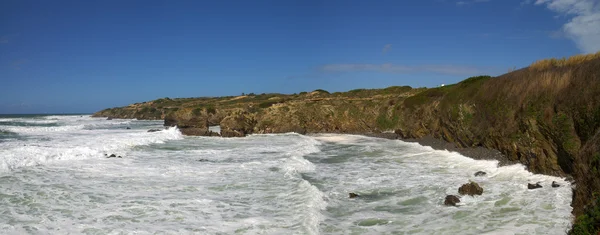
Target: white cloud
(386, 48)
(583, 27)
(393, 68)
(460, 3)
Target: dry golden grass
(573, 60)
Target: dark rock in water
(112, 155)
(470, 189)
(353, 195)
(534, 186)
(203, 160)
(555, 185)
(109, 118)
(154, 130)
(451, 200)
(480, 173)
(119, 157)
(128, 128)
(232, 133)
(197, 131)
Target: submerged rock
(533, 186)
(353, 195)
(128, 128)
(154, 130)
(109, 118)
(113, 156)
(480, 173)
(451, 200)
(470, 189)
(555, 185)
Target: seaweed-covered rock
(470, 189)
(451, 200)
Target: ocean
(55, 178)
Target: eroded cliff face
(545, 118)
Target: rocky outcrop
(555, 185)
(353, 195)
(480, 173)
(470, 189)
(238, 123)
(451, 200)
(190, 122)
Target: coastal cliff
(546, 116)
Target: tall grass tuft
(553, 63)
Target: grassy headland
(546, 116)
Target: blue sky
(83, 56)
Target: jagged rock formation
(545, 117)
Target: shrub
(356, 90)
(587, 223)
(321, 91)
(211, 110)
(267, 104)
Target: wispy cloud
(7, 38)
(386, 48)
(460, 3)
(394, 68)
(583, 26)
(17, 64)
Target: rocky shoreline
(477, 153)
(547, 119)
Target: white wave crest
(40, 129)
(14, 155)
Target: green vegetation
(267, 104)
(565, 134)
(589, 222)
